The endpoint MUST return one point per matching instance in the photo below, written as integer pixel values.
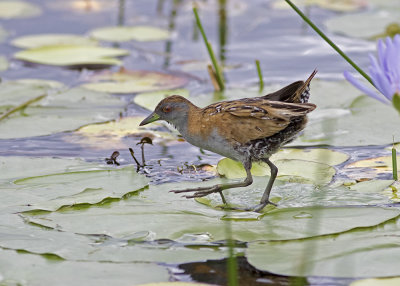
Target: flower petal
(368, 91)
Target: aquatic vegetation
(384, 71)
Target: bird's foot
(202, 192)
(260, 206)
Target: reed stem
(260, 76)
(210, 51)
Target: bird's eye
(167, 109)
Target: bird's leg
(265, 198)
(204, 191)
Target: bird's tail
(297, 92)
(303, 93)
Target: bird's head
(173, 109)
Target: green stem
(394, 163)
(21, 106)
(210, 51)
(261, 83)
(231, 261)
(336, 48)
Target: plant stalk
(332, 44)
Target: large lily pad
(166, 210)
(57, 112)
(394, 281)
(363, 25)
(289, 169)
(25, 268)
(128, 33)
(40, 40)
(18, 9)
(126, 81)
(354, 254)
(69, 55)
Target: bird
(247, 130)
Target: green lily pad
(150, 100)
(81, 188)
(58, 112)
(326, 156)
(126, 81)
(353, 254)
(3, 63)
(40, 40)
(363, 25)
(128, 33)
(373, 186)
(25, 268)
(394, 281)
(167, 210)
(292, 170)
(69, 55)
(114, 132)
(18, 9)
(371, 168)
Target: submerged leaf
(128, 33)
(126, 81)
(67, 55)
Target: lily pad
(354, 254)
(110, 134)
(25, 268)
(394, 281)
(337, 5)
(18, 9)
(373, 186)
(58, 112)
(128, 33)
(69, 55)
(126, 81)
(363, 25)
(326, 156)
(166, 209)
(292, 170)
(372, 167)
(40, 40)
(3, 63)
(150, 100)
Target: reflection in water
(121, 12)
(171, 28)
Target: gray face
(174, 112)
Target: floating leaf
(375, 167)
(291, 170)
(31, 269)
(326, 156)
(352, 254)
(128, 33)
(126, 81)
(18, 9)
(150, 100)
(166, 209)
(81, 188)
(363, 25)
(55, 113)
(373, 186)
(110, 134)
(394, 281)
(40, 40)
(64, 55)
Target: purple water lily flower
(384, 71)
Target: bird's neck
(183, 122)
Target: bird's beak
(151, 118)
